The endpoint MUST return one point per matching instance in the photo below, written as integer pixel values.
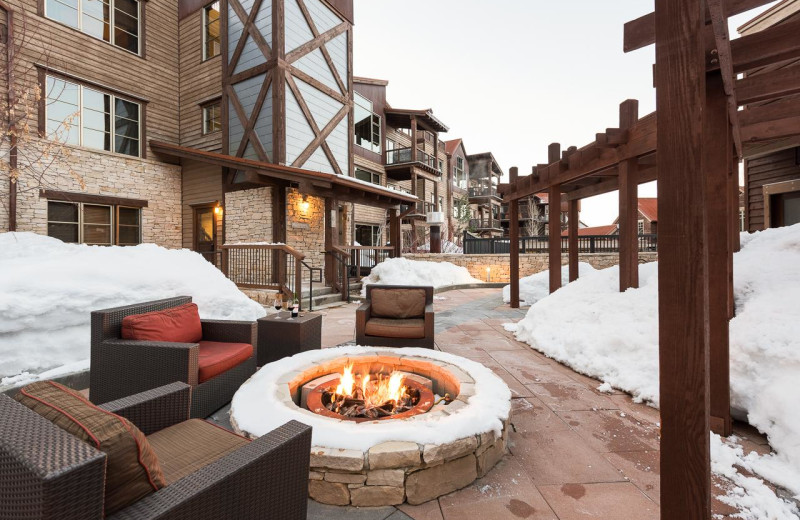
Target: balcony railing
(483, 191)
(540, 244)
(484, 223)
(403, 156)
(420, 208)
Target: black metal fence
(539, 244)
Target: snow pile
(613, 336)
(401, 271)
(536, 286)
(258, 406)
(48, 288)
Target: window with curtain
(117, 22)
(83, 116)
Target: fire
(373, 392)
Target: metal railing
(483, 191)
(484, 223)
(403, 156)
(364, 258)
(540, 244)
(340, 277)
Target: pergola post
(572, 244)
(628, 205)
(717, 155)
(554, 223)
(331, 209)
(682, 274)
(278, 200)
(513, 236)
(395, 236)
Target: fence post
(298, 281)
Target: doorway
(784, 209)
(205, 232)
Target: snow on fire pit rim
(259, 406)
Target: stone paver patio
(574, 453)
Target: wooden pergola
(692, 146)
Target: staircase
(322, 296)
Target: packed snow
(258, 407)
(592, 327)
(536, 286)
(49, 289)
(401, 271)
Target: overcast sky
(511, 76)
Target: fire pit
(389, 425)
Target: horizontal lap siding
(199, 81)
(201, 183)
(776, 167)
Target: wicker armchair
(121, 367)
(397, 316)
(46, 473)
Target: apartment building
(484, 199)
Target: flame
(375, 392)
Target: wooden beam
(719, 22)
(766, 86)
(770, 112)
(513, 236)
(572, 239)
(641, 32)
(772, 45)
(278, 198)
(683, 348)
(717, 154)
(768, 130)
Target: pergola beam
(719, 22)
(768, 85)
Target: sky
(512, 76)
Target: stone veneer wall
(248, 216)
(104, 173)
(528, 264)
(305, 228)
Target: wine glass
(278, 303)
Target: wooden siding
(376, 94)
(200, 81)
(201, 183)
(769, 169)
(152, 76)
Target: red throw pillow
(179, 324)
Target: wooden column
(554, 238)
(628, 225)
(413, 138)
(513, 236)
(278, 200)
(331, 216)
(717, 155)
(395, 235)
(683, 349)
(415, 192)
(572, 246)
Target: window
(368, 235)
(82, 116)
(390, 145)
(640, 227)
(211, 118)
(441, 165)
(368, 124)
(441, 203)
(211, 24)
(113, 21)
(741, 219)
(94, 224)
(364, 175)
(459, 175)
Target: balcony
(484, 192)
(400, 166)
(484, 224)
(420, 211)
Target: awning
(321, 184)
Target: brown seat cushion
(397, 303)
(390, 328)
(179, 324)
(188, 446)
(216, 357)
(132, 467)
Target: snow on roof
(388, 189)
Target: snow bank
(536, 286)
(258, 408)
(401, 271)
(48, 288)
(613, 336)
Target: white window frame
(640, 226)
(112, 114)
(206, 130)
(111, 17)
(205, 31)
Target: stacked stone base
(396, 472)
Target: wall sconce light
(218, 210)
(488, 274)
(304, 204)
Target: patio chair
(215, 360)
(396, 316)
(47, 473)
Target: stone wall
(104, 173)
(305, 226)
(248, 216)
(499, 265)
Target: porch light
(488, 274)
(218, 210)
(304, 204)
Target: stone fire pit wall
(395, 471)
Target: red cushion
(216, 357)
(179, 324)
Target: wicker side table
(281, 337)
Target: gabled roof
(401, 117)
(486, 155)
(649, 208)
(595, 230)
(769, 17)
(370, 81)
(451, 146)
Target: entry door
(785, 209)
(205, 233)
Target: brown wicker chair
(121, 367)
(396, 316)
(46, 473)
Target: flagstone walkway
(574, 453)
